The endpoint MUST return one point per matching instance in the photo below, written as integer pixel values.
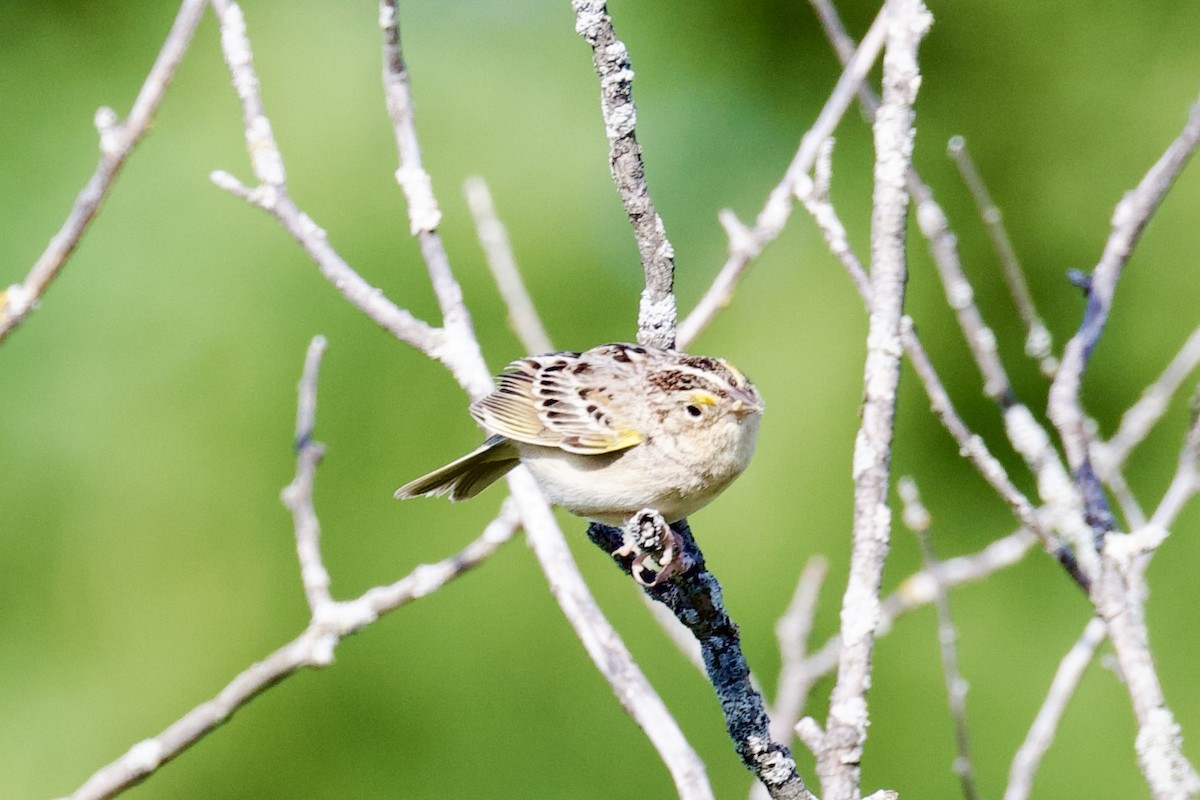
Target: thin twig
(1142, 416)
(522, 314)
(1038, 342)
(746, 244)
(916, 518)
(117, 141)
(1045, 725)
(846, 730)
(657, 312)
(792, 630)
(1186, 482)
(297, 497)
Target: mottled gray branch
(839, 762)
(117, 141)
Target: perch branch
(117, 141)
(694, 596)
(839, 762)
(456, 347)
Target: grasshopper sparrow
(611, 431)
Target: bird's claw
(655, 548)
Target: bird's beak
(746, 404)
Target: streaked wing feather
(540, 400)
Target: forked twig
(117, 141)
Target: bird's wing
(545, 400)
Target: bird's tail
(467, 476)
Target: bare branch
(921, 588)
(522, 314)
(1129, 220)
(423, 213)
(846, 730)
(1041, 734)
(1038, 343)
(117, 141)
(745, 244)
(1186, 482)
(331, 622)
(1118, 596)
(657, 312)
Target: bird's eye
(693, 410)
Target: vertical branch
(117, 142)
(846, 730)
(657, 312)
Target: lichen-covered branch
(657, 312)
(846, 730)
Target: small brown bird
(611, 431)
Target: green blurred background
(146, 409)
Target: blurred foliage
(146, 409)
